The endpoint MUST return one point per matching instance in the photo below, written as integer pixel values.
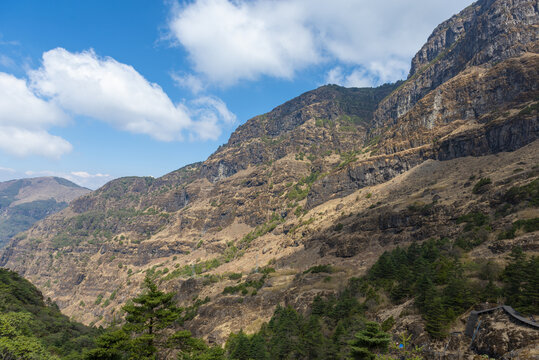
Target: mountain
(25, 201)
(315, 192)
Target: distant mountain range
(315, 192)
(25, 201)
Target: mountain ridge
(25, 201)
(319, 180)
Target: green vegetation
(263, 229)
(320, 269)
(368, 341)
(434, 276)
(527, 194)
(253, 285)
(347, 158)
(521, 282)
(481, 186)
(147, 318)
(476, 230)
(526, 226)
(31, 328)
(185, 271)
(235, 276)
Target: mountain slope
(32, 328)
(336, 176)
(25, 201)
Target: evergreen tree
(189, 347)
(369, 341)
(257, 349)
(112, 345)
(314, 342)
(436, 319)
(490, 293)
(457, 296)
(285, 330)
(147, 315)
(531, 287)
(238, 346)
(425, 291)
(514, 277)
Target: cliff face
(484, 34)
(335, 176)
(466, 95)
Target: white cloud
(232, 40)
(24, 142)
(373, 73)
(82, 178)
(86, 179)
(24, 119)
(6, 169)
(85, 175)
(209, 111)
(104, 89)
(189, 81)
(6, 61)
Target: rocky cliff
(335, 176)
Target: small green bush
(480, 186)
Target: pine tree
(457, 295)
(285, 328)
(425, 291)
(314, 342)
(369, 341)
(515, 278)
(257, 347)
(238, 346)
(436, 319)
(112, 345)
(149, 313)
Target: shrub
(480, 186)
(320, 269)
(235, 276)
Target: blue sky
(95, 90)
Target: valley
(317, 201)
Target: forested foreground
(437, 275)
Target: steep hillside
(334, 177)
(25, 201)
(33, 328)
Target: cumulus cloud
(105, 89)
(232, 40)
(24, 120)
(70, 84)
(373, 73)
(82, 178)
(229, 41)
